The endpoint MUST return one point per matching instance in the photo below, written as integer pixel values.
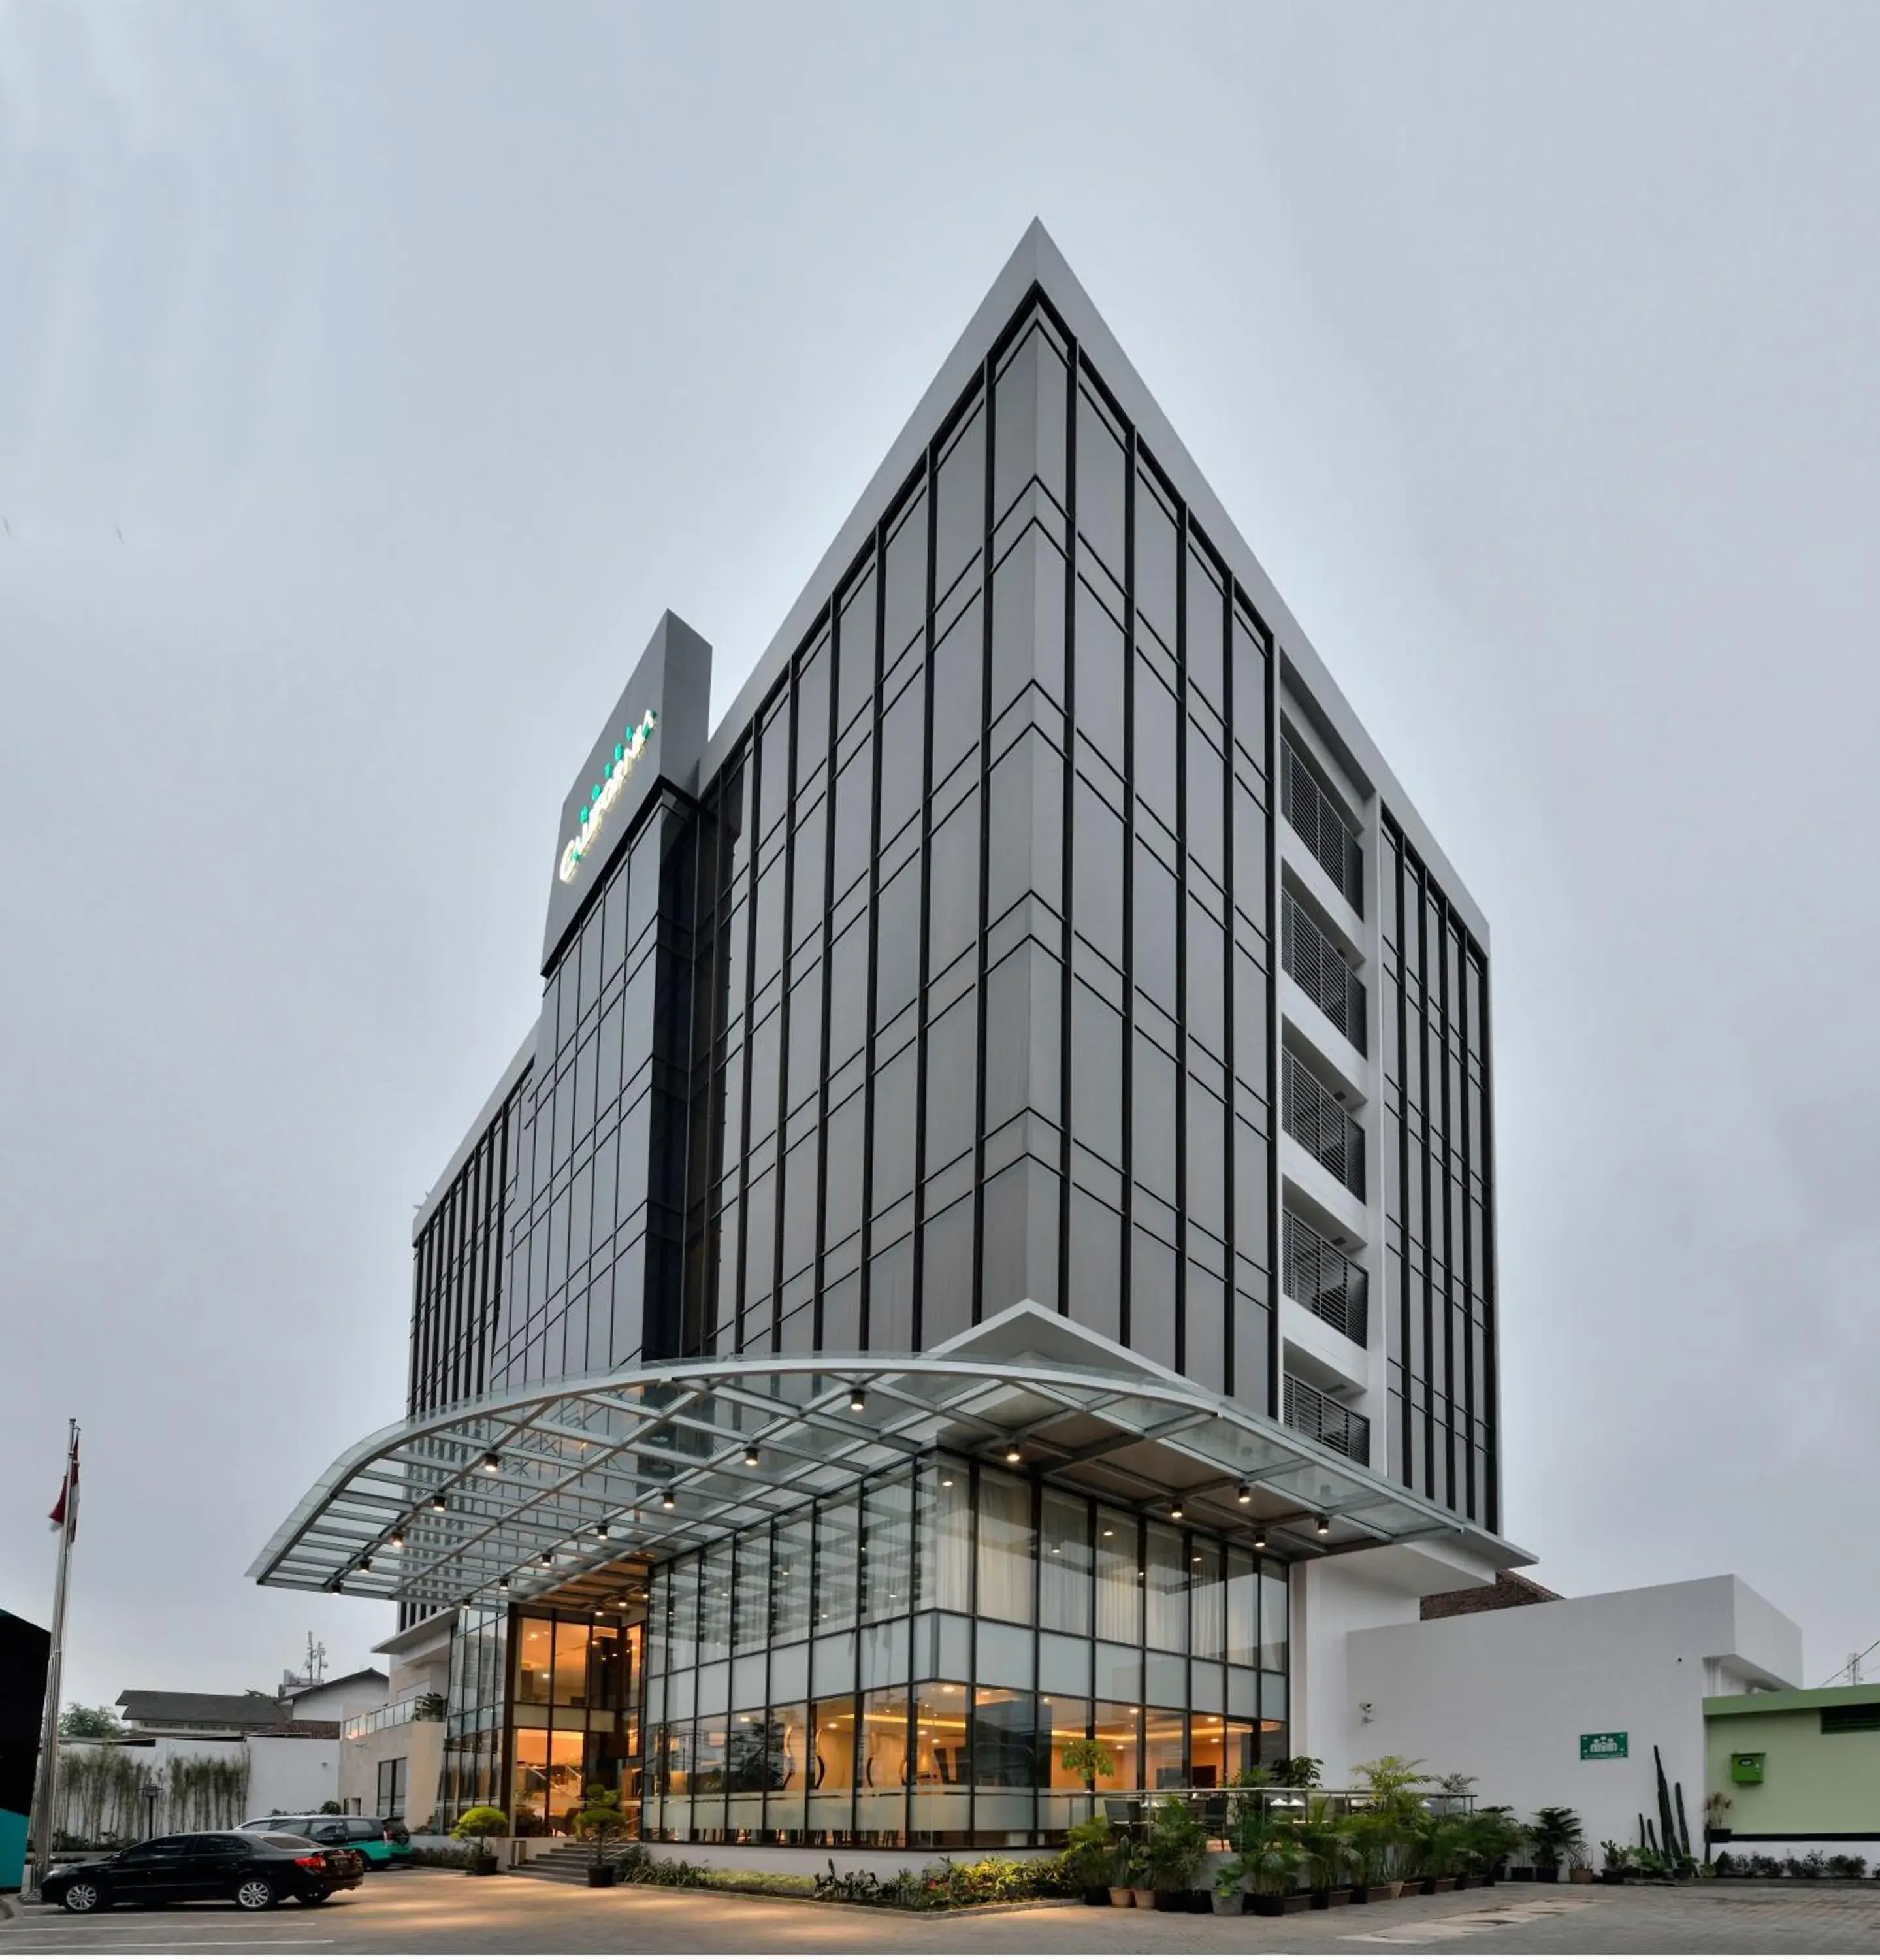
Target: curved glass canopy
(575, 1486)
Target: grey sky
(422, 355)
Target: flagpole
(45, 1807)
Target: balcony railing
(1323, 973)
(1323, 1280)
(1321, 825)
(1314, 1117)
(1317, 1415)
(390, 1715)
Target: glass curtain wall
(1438, 1289)
(575, 1690)
(903, 1664)
(985, 918)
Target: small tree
(96, 1724)
(1085, 1756)
(600, 1820)
(482, 1821)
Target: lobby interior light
(1323, 1527)
(1244, 1495)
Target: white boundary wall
(1506, 1696)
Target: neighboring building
(338, 1700)
(1801, 1770)
(1562, 1701)
(25, 1651)
(1510, 1589)
(991, 1238)
(391, 1760)
(150, 1711)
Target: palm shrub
(1439, 1842)
(1324, 1844)
(1557, 1836)
(1090, 1851)
(1267, 1853)
(1177, 1844)
(1375, 1837)
(1491, 1836)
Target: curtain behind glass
(1167, 1581)
(1119, 1580)
(946, 1548)
(1064, 1571)
(1005, 1547)
(887, 1550)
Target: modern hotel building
(990, 1239)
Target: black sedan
(255, 1868)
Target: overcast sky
(370, 379)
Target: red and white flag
(65, 1513)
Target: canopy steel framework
(577, 1486)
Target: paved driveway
(431, 1911)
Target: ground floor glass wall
(904, 1664)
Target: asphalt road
(426, 1911)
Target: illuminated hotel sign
(604, 795)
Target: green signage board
(1607, 1744)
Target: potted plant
(1616, 1865)
(1489, 1837)
(600, 1820)
(1557, 1838)
(1267, 1846)
(1141, 1893)
(482, 1822)
(1327, 1851)
(1089, 1858)
(1439, 1842)
(1230, 1887)
(1177, 1843)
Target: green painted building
(1800, 1765)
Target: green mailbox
(1747, 1768)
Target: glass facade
(1439, 1291)
(983, 1002)
(904, 1664)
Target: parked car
(379, 1841)
(255, 1868)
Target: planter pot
(1439, 1885)
(1144, 1899)
(1387, 1889)
(1199, 1901)
(1547, 1875)
(1229, 1905)
(1265, 1906)
(1295, 1901)
(1121, 1896)
(599, 1877)
(1169, 1901)
(1612, 1877)
(1582, 1875)
(483, 1866)
(1096, 1895)
(1360, 1896)
(1521, 1874)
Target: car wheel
(255, 1894)
(82, 1895)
